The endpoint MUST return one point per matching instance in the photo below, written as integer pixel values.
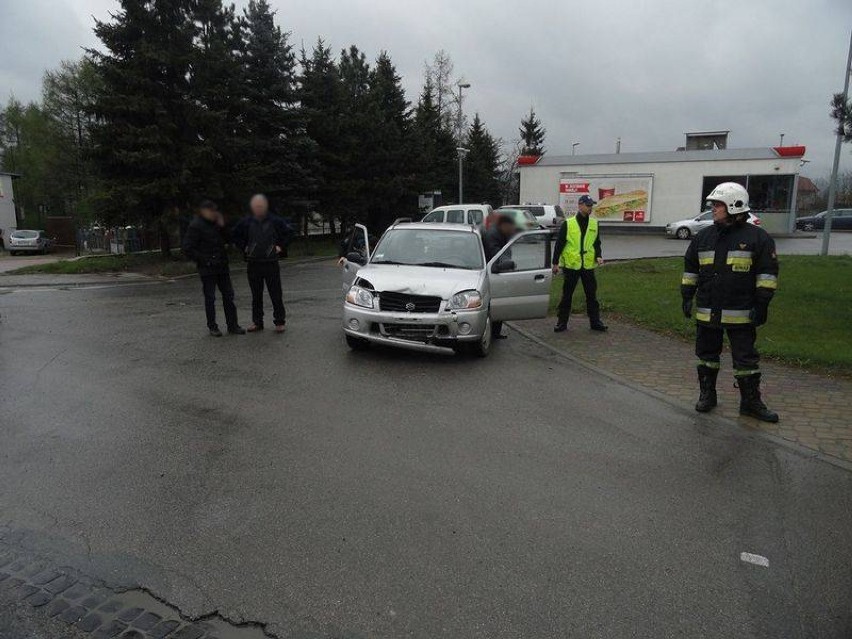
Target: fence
(116, 240)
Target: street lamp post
(832, 187)
(460, 149)
(574, 147)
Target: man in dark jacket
(731, 269)
(262, 237)
(205, 243)
(493, 242)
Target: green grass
(154, 264)
(810, 319)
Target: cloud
(643, 71)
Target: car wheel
(808, 227)
(483, 346)
(13, 253)
(683, 233)
(357, 344)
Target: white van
(470, 214)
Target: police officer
(577, 252)
(731, 268)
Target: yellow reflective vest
(573, 255)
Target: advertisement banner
(619, 198)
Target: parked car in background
(524, 220)
(428, 287)
(471, 214)
(841, 220)
(548, 216)
(685, 229)
(26, 241)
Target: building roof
(806, 185)
(708, 155)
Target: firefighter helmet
(732, 195)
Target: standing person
(578, 252)
(205, 243)
(731, 268)
(493, 242)
(262, 237)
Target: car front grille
(411, 332)
(404, 303)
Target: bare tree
(441, 74)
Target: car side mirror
(503, 266)
(356, 257)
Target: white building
(8, 222)
(653, 189)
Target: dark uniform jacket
(257, 239)
(731, 270)
(205, 243)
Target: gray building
(8, 220)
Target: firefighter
(731, 268)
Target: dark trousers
(708, 347)
(268, 273)
(209, 283)
(590, 287)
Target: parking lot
(287, 481)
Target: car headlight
(465, 300)
(360, 297)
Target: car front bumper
(431, 332)
(35, 248)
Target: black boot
(707, 382)
(750, 402)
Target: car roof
(435, 226)
(445, 207)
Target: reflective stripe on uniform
(689, 279)
(706, 364)
(745, 372)
(767, 281)
(740, 261)
(702, 314)
(748, 254)
(706, 257)
(736, 317)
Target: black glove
(687, 307)
(759, 314)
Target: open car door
(356, 255)
(520, 277)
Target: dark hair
(208, 204)
(505, 219)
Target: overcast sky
(646, 71)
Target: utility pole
(832, 187)
(461, 151)
(574, 147)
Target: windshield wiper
(443, 265)
(389, 262)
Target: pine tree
(147, 144)
(532, 135)
(278, 148)
(482, 166)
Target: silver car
(24, 241)
(428, 287)
(685, 229)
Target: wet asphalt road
(285, 480)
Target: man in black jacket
(205, 243)
(731, 269)
(262, 237)
(493, 241)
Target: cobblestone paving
(814, 409)
(93, 610)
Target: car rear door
(359, 242)
(521, 291)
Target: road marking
(757, 560)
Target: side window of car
(529, 253)
(434, 216)
(474, 216)
(455, 216)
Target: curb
(793, 447)
(140, 278)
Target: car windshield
(24, 235)
(429, 247)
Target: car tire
(483, 347)
(809, 227)
(683, 233)
(13, 253)
(357, 343)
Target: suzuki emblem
(410, 307)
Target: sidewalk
(813, 408)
